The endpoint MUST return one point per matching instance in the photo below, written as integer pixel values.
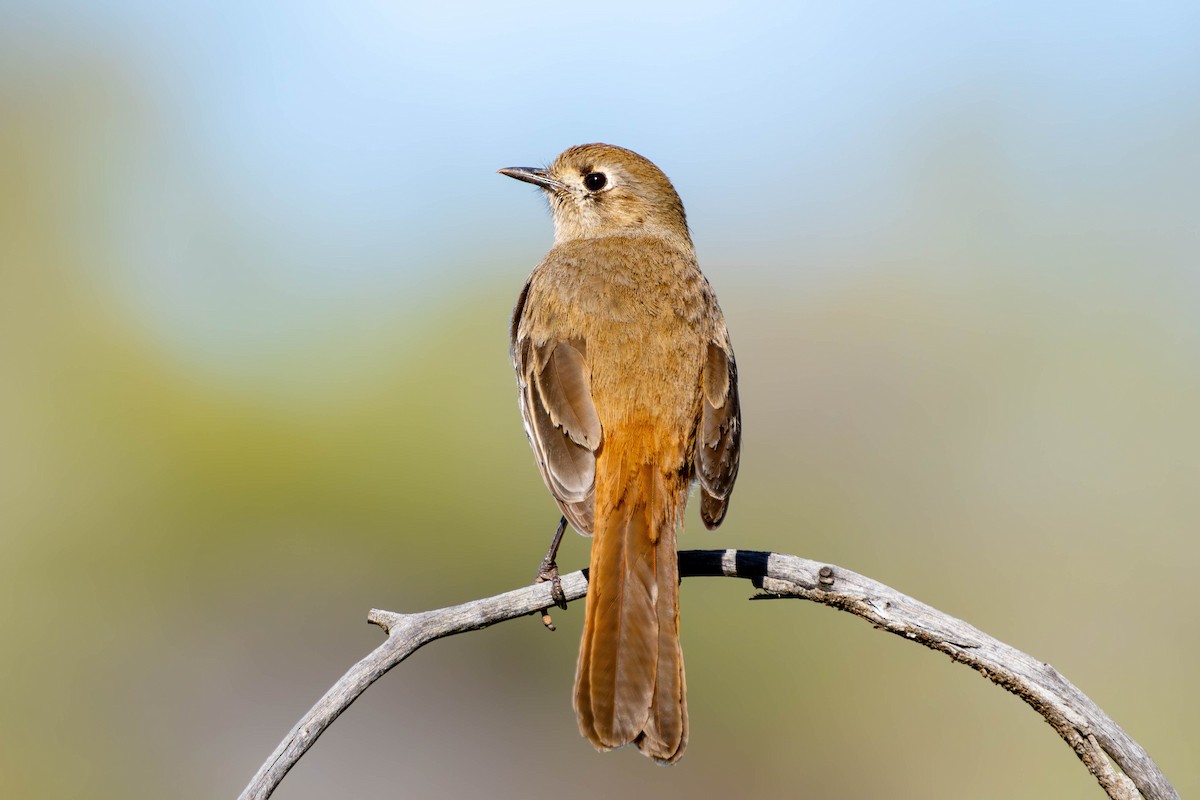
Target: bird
(628, 389)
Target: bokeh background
(255, 276)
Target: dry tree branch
(1093, 736)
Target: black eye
(595, 181)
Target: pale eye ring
(595, 181)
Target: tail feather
(666, 731)
(629, 684)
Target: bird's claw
(548, 571)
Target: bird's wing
(719, 439)
(560, 419)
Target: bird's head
(602, 190)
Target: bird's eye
(595, 181)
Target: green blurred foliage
(1007, 431)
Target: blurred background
(256, 270)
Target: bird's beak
(538, 177)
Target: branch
(1093, 736)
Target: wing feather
(566, 395)
(720, 436)
(560, 420)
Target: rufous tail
(629, 682)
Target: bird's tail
(629, 683)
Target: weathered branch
(1093, 736)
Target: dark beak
(538, 177)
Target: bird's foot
(548, 571)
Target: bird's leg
(548, 571)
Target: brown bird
(628, 388)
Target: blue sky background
(353, 146)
